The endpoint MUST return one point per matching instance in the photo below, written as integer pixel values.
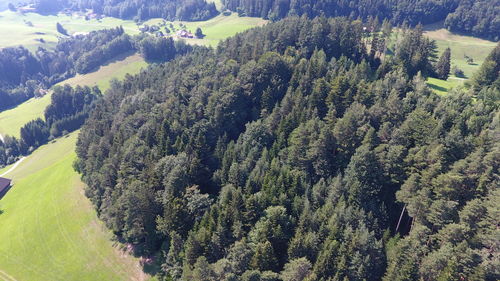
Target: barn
(4, 186)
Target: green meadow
(49, 229)
(18, 29)
(12, 120)
(217, 28)
(460, 45)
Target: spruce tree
(443, 65)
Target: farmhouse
(185, 34)
(4, 186)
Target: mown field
(15, 28)
(217, 28)
(49, 229)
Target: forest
(136, 9)
(480, 18)
(293, 152)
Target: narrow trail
(6, 277)
(13, 167)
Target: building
(184, 34)
(5, 185)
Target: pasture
(50, 230)
(13, 119)
(215, 29)
(27, 30)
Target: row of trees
(290, 153)
(67, 111)
(190, 10)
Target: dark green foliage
(61, 29)
(489, 73)
(286, 154)
(145, 9)
(162, 49)
(443, 65)
(480, 18)
(199, 33)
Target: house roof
(4, 184)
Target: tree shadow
(438, 88)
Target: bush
(458, 72)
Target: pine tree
(443, 65)
(61, 29)
(199, 33)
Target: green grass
(217, 28)
(474, 47)
(12, 120)
(14, 31)
(116, 69)
(49, 229)
(441, 87)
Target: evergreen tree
(443, 65)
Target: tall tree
(443, 64)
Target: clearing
(460, 45)
(215, 29)
(18, 29)
(50, 230)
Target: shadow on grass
(437, 88)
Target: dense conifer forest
(480, 18)
(293, 152)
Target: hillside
(290, 151)
(49, 230)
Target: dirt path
(6, 277)
(13, 167)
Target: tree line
(292, 153)
(140, 10)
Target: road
(13, 167)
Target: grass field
(117, 68)
(49, 229)
(217, 28)
(460, 45)
(14, 30)
(12, 120)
